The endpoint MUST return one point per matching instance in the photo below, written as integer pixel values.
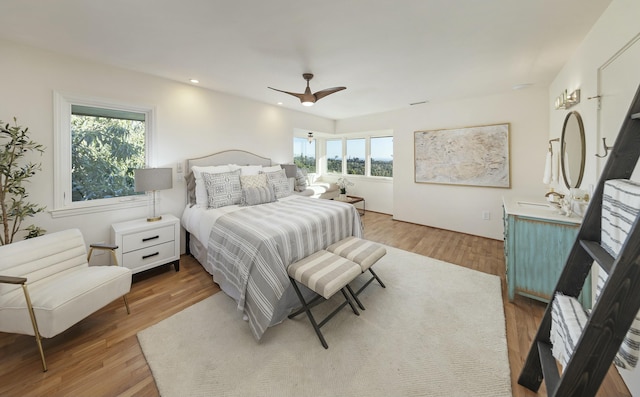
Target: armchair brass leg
(126, 303)
(114, 258)
(36, 332)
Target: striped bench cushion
(324, 273)
(363, 252)
(620, 208)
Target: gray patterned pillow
(258, 195)
(280, 183)
(223, 189)
(301, 180)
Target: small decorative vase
(343, 194)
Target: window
(382, 156)
(365, 155)
(334, 156)
(106, 146)
(304, 154)
(356, 156)
(100, 145)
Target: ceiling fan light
(307, 103)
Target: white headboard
(239, 157)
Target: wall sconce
(151, 180)
(310, 137)
(565, 101)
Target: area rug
(437, 330)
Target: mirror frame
(582, 149)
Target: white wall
(191, 122)
(460, 208)
(616, 28)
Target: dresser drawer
(147, 238)
(161, 253)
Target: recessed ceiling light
(194, 81)
(280, 103)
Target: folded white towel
(546, 179)
(555, 164)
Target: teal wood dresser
(537, 241)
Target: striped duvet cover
(252, 248)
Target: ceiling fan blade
(299, 96)
(328, 91)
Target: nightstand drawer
(147, 238)
(158, 253)
(143, 245)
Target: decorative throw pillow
(259, 180)
(201, 188)
(191, 188)
(301, 180)
(258, 195)
(223, 189)
(280, 183)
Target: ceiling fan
(308, 99)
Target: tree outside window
(106, 147)
(334, 156)
(356, 158)
(304, 154)
(382, 156)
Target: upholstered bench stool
(325, 274)
(363, 252)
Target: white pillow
(250, 169)
(272, 168)
(201, 188)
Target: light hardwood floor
(100, 356)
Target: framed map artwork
(471, 156)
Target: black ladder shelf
(619, 301)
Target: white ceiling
(387, 53)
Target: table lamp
(152, 180)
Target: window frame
(315, 145)
(367, 137)
(346, 155)
(325, 168)
(369, 156)
(62, 200)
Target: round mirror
(572, 150)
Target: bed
(247, 248)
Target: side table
(353, 200)
(143, 245)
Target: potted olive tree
(15, 144)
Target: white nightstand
(143, 245)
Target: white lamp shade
(150, 179)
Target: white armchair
(59, 288)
